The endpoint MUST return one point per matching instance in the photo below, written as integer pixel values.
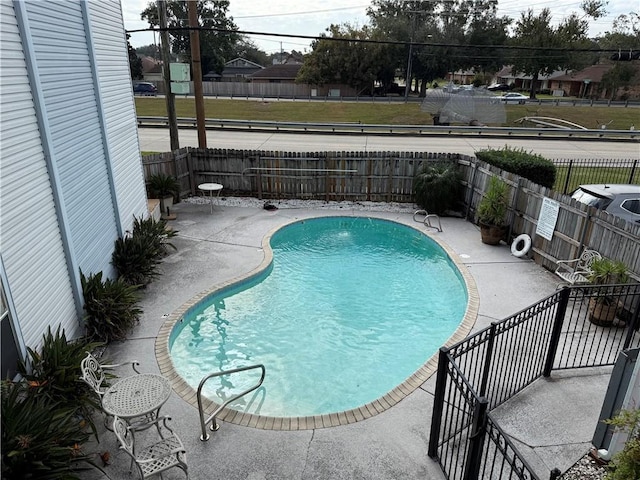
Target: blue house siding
(70, 171)
(75, 127)
(31, 243)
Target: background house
(151, 70)
(71, 176)
(521, 81)
(278, 73)
(582, 84)
(236, 70)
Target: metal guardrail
(416, 130)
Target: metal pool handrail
(212, 418)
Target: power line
(384, 42)
(308, 12)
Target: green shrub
(55, 373)
(528, 165)
(111, 309)
(41, 439)
(437, 186)
(625, 465)
(136, 257)
(155, 234)
(133, 261)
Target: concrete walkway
(213, 248)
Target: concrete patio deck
(552, 421)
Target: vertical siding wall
(71, 176)
(112, 64)
(30, 238)
(67, 82)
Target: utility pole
(410, 60)
(166, 72)
(194, 36)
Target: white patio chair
(157, 457)
(93, 373)
(576, 271)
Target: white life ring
(525, 241)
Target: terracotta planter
(492, 234)
(602, 312)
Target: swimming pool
(349, 308)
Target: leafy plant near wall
(162, 185)
(625, 465)
(155, 234)
(437, 186)
(528, 165)
(136, 257)
(110, 306)
(54, 372)
(41, 439)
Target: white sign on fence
(548, 218)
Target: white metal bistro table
(137, 396)
(211, 187)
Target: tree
(216, 47)
(553, 48)
(621, 75)
(465, 26)
(149, 51)
(628, 25)
(135, 64)
(625, 37)
(357, 64)
(245, 48)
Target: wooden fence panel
(388, 176)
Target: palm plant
(437, 186)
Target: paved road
(157, 140)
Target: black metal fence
(572, 173)
(575, 327)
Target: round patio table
(136, 396)
(211, 187)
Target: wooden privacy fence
(388, 177)
(577, 227)
(357, 176)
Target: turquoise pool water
(349, 308)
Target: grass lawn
(587, 175)
(376, 113)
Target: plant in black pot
(492, 211)
(165, 187)
(604, 301)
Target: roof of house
(507, 72)
(240, 62)
(284, 71)
(150, 65)
(232, 68)
(594, 73)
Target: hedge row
(528, 165)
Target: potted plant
(603, 305)
(164, 187)
(492, 211)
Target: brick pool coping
(189, 394)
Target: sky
(312, 18)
